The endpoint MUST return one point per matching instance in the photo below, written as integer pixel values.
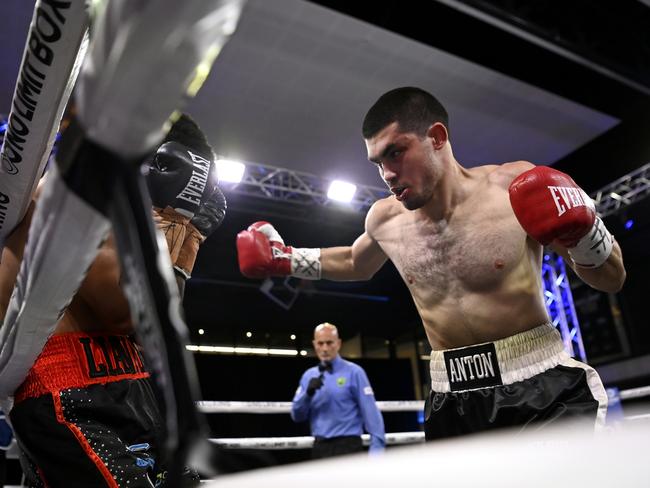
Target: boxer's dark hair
(187, 132)
(414, 109)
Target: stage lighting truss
(263, 181)
(559, 303)
(622, 192)
(306, 189)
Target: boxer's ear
(438, 135)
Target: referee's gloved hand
(314, 384)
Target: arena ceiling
(291, 87)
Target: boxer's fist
(553, 209)
(180, 178)
(262, 253)
(206, 220)
(182, 181)
(210, 214)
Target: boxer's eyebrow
(384, 153)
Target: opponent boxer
(468, 245)
(86, 415)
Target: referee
(337, 399)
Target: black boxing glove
(210, 214)
(180, 178)
(206, 220)
(314, 384)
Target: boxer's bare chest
(474, 250)
(100, 304)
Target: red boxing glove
(262, 253)
(553, 209)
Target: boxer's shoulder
(503, 174)
(383, 211)
(513, 168)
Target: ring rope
(640, 392)
(306, 442)
(644, 417)
(384, 406)
(285, 407)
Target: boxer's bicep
(367, 256)
(357, 262)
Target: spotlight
(341, 191)
(230, 171)
(293, 337)
(249, 334)
(201, 332)
(303, 353)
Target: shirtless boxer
(468, 245)
(86, 415)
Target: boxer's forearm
(337, 264)
(609, 277)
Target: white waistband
(520, 356)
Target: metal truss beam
(559, 303)
(625, 191)
(263, 181)
(306, 189)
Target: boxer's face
(406, 163)
(326, 344)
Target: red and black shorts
(524, 380)
(86, 415)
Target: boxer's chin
(412, 202)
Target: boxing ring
(443, 462)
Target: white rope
(645, 416)
(285, 407)
(634, 393)
(306, 442)
(266, 442)
(244, 407)
(384, 406)
(402, 406)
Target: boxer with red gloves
(472, 261)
